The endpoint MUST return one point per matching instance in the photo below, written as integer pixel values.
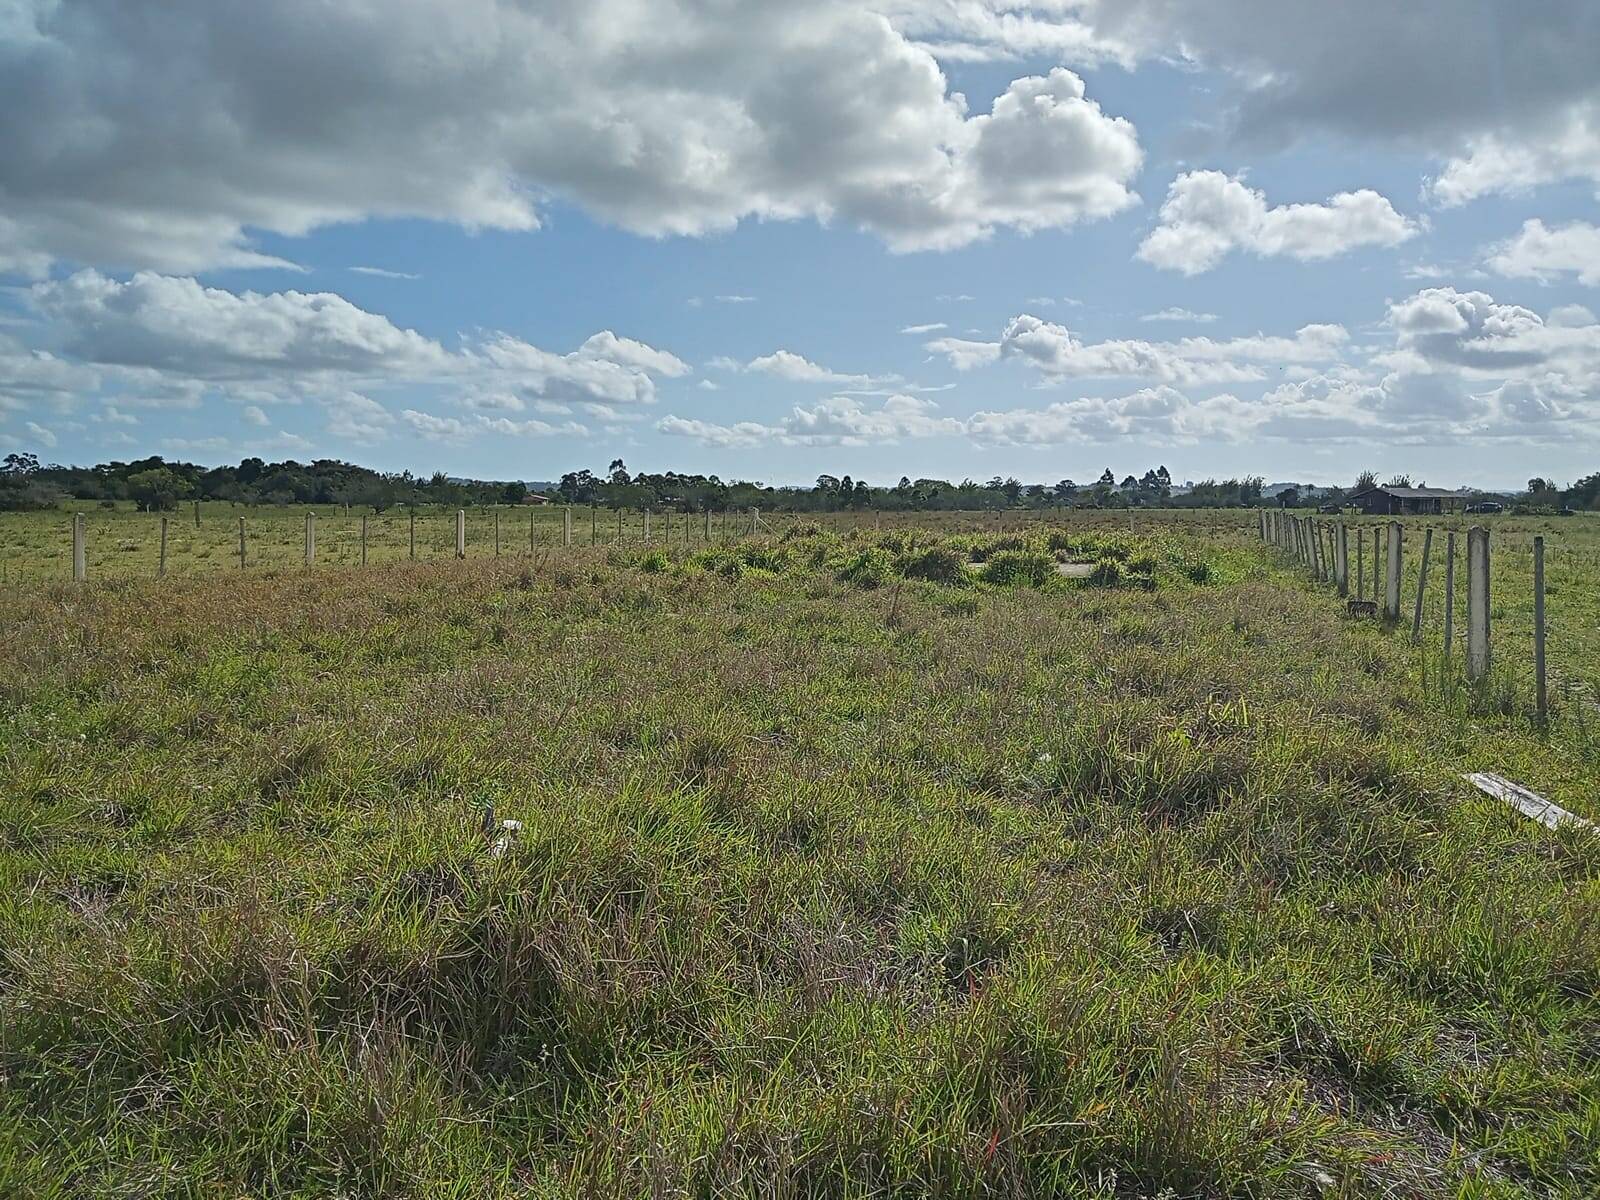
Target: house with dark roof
(1406, 501)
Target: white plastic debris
(509, 830)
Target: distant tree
(1365, 480)
(1537, 485)
(1399, 481)
(578, 487)
(1107, 478)
(158, 489)
(514, 492)
(1289, 497)
(618, 473)
(20, 486)
(1585, 493)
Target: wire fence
(1419, 580)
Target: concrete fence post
(1541, 694)
(80, 568)
(1422, 586)
(461, 533)
(241, 543)
(1341, 559)
(197, 514)
(530, 531)
(708, 525)
(1361, 563)
(1391, 580)
(619, 524)
(647, 524)
(594, 524)
(1477, 603)
(755, 520)
(363, 539)
(411, 534)
(161, 554)
(497, 531)
(1449, 594)
(1377, 561)
(566, 526)
(311, 538)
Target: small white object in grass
(511, 828)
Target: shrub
(868, 568)
(1032, 567)
(939, 564)
(983, 549)
(1107, 573)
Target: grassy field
(123, 544)
(852, 863)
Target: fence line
(256, 553)
(1302, 540)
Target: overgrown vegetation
(952, 884)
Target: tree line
(156, 484)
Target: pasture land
(852, 862)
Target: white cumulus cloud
(1207, 215)
(682, 117)
(1541, 252)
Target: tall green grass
(940, 886)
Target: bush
(868, 569)
(984, 549)
(1032, 567)
(20, 494)
(653, 562)
(1107, 573)
(939, 564)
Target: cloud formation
(1059, 353)
(304, 114)
(1207, 215)
(836, 421)
(1541, 252)
(158, 341)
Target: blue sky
(1138, 243)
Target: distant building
(1405, 501)
(537, 498)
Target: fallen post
(1530, 804)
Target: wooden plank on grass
(1529, 804)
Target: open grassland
(853, 863)
(123, 544)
